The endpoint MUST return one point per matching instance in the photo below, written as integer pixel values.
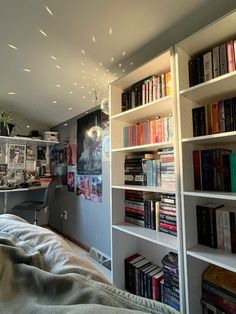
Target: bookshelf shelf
(158, 107)
(25, 140)
(141, 148)
(154, 236)
(198, 257)
(214, 256)
(219, 138)
(143, 188)
(216, 89)
(212, 194)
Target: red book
(168, 226)
(197, 170)
(230, 55)
(156, 285)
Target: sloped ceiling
(57, 57)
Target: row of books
(146, 91)
(148, 132)
(218, 291)
(142, 277)
(214, 118)
(218, 61)
(216, 226)
(170, 286)
(214, 170)
(151, 169)
(146, 210)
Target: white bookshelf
(127, 238)
(198, 257)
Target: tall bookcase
(198, 257)
(127, 238)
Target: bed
(39, 273)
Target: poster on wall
(71, 151)
(89, 143)
(17, 156)
(89, 188)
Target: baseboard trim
(70, 238)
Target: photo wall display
(17, 154)
(89, 188)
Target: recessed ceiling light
(54, 101)
(58, 66)
(119, 65)
(65, 124)
(84, 97)
(123, 53)
(82, 63)
(43, 33)
(82, 87)
(131, 63)
(13, 47)
(54, 58)
(96, 69)
(49, 11)
(11, 93)
(94, 39)
(83, 51)
(123, 70)
(75, 83)
(107, 70)
(100, 63)
(70, 92)
(28, 126)
(83, 71)
(70, 108)
(110, 31)
(112, 59)
(27, 70)
(86, 112)
(58, 85)
(90, 92)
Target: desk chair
(34, 205)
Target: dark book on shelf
(228, 116)
(232, 160)
(206, 170)
(192, 72)
(199, 121)
(223, 60)
(197, 170)
(199, 69)
(206, 224)
(232, 218)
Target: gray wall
(88, 222)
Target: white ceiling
(93, 42)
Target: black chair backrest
(49, 193)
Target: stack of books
(217, 61)
(167, 214)
(216, 226)
(142, 277)
(170, 284)
(167, 168)
(218, 291)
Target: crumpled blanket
(39, 273)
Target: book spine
(233, 231)
(230, 56)
(197, 169)
(223, 59)
(207, 65)
(216, 61)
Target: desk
(5, 196)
